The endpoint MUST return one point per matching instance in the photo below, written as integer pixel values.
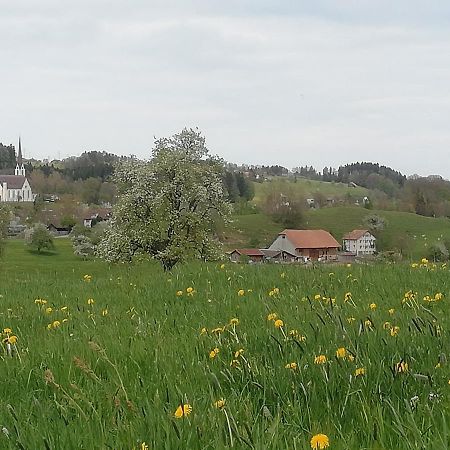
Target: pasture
(216, 355)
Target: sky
(294, 83)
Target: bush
(83, 246)
(39, 238)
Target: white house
(359, 242)
(16, 188)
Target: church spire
(20, 168)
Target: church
(16, 188)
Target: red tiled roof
(310, 238)
(249, 251)
(13, 181)
(355, 235)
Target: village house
(359, 242)
(16, 188)
(317, 245)
(252, 254)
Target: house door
(314, 253)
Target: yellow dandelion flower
(234, 363)
(190, 291)
(48, 310)
(276, 291)
(238, 353)
(391, 311)
(12, 339)
(368, 323)
(179, 293)
(360, 371)
(218, 330)
(424, 261)
(214, 352)
(387, 325)
(90, 301)
(278, 323)
(87, 278)
(56, 324)
(222, 266)
(341, 352)
(395, 330)
(320, 359)
(7, 330)
(282, 275)
(203, 331)
(350, 357)
(272, 316)
(292, 366)
(438, 296)
(183, 411)
(144, 446)
(401, 367)
(317, 297)
(49, 326)
(104, 312)
(234, 321)
(220, 404)
(347, 296)
(373, 306)
(241, 292)
(320, 441)
(350, 319)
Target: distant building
(359, 242)
(307, 244)
(253, 254)
(16, 188)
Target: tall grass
(113, 374)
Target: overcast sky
(267, 81)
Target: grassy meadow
(215, 356)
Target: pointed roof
(310, 238)
(19, 156)
(355, 235)
(248, 251)
(13, 181)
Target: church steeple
(20, 168)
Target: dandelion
(11, 339)
(373, 306)
(56, 324)
(360, 371)
(401, 367)
(368, 323)
(219, 404)
(292, 366)
(48, 310)
(234, 321)
(241, 292)
(203, 331)
(222, 266)
(190, 291)
(424, 261)
(394, 330)
(87, 278)
(63, 308)
(218, 330)
(351, 319)
(238, 353)
(341, 352)
(391, 311)
(438, 296)
(278, 323)
(214, 352)
(7, 330)
(347, 297)
(183, 411)
(319, 442)
(90, 301)
(234, 363)
(179, 293)
(321, 359)
(317, 297)
(144, 446)
(282, 275)
(104, 312)
(387, 325)
(272, 316)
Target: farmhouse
(16, 188)
(309, 244)
(253, 254)
(359, 242)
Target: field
(215, 356)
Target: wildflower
(56, 324)
(391, 311)
(292, 365)
(222, 266)
(90, 301)
(190, 291)
(368, 323)
(395, 330)
(373, 306)
(87, 278)
(401, 367)
(7, 330)
(203, 331)
(104, 312)
(341, 352)
(144, 446)
(219, 404)
(218, 330)
(282, 275)
(49, 326)
(350, 357)
(234, 321)
(234, 363)
(321, 359)
(414, 265)
(360, 371)
(179, 293)
(387, 325)
(424, 261)
(238, 353)
(438, 296)
(278, 323)
(11, 339)
(241, 292)
(317, 297)
(214, 352)
(272, 316)
(63, 308)
(348, 297)
(350, 319)
(183, 411)
(276, 291)
(49, 310)
(319, 442)
(40, 301)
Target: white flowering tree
(168, 207)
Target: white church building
(16, 188)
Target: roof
(248, 251)
(355, 235)
(270, 253)
(13, 181)
(310, 238)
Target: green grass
(114, 380)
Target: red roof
(248, 251)
(355, 235)
(13, 181)
(310, 238)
